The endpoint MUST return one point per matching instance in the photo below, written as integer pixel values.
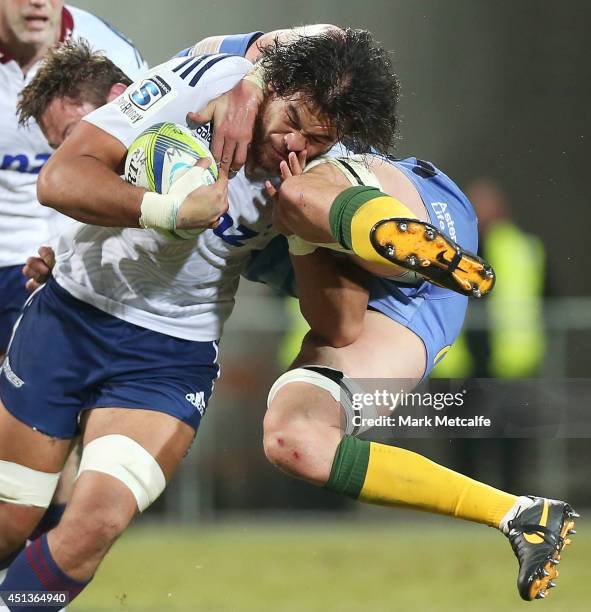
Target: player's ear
(116, 90)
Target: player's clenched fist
(38, 269)
(203, 206)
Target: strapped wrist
(159, 211)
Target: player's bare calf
(110, 492)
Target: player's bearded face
(36, 23)
(288, 124)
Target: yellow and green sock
(391, 476)
(354, 213)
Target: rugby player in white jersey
(134, 317)
(28, 28)
(302, 427)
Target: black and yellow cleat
(538, 535)
(421, 247)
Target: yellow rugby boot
(419, 246)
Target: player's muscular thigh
(384, 349)
(396, 184)
(26, 446)
(166, 438)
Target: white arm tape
(186, 181)
(298, 246)
(26, 487)
(256, 76)
(211, 44)
(129, 462)
(159, 211)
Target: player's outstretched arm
(81, 180)
(333, 295)
(332, 289)
(286, 36)
(252, 52)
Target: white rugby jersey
(182, 288)
(24, 223)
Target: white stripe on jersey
(125, 118)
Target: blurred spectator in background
(295, 330)
(513, 344)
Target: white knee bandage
(306, 376)
(129, 462)
(338, 385)
(26, 487)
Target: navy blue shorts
(67, 356)
(12, 297)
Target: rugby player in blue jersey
(380, 323)
(365, 324)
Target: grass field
(324, 566)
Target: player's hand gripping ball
(162, 159)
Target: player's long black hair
(347, 76)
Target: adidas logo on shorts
(12, 378)
(197, 400)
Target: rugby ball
(160, 156)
